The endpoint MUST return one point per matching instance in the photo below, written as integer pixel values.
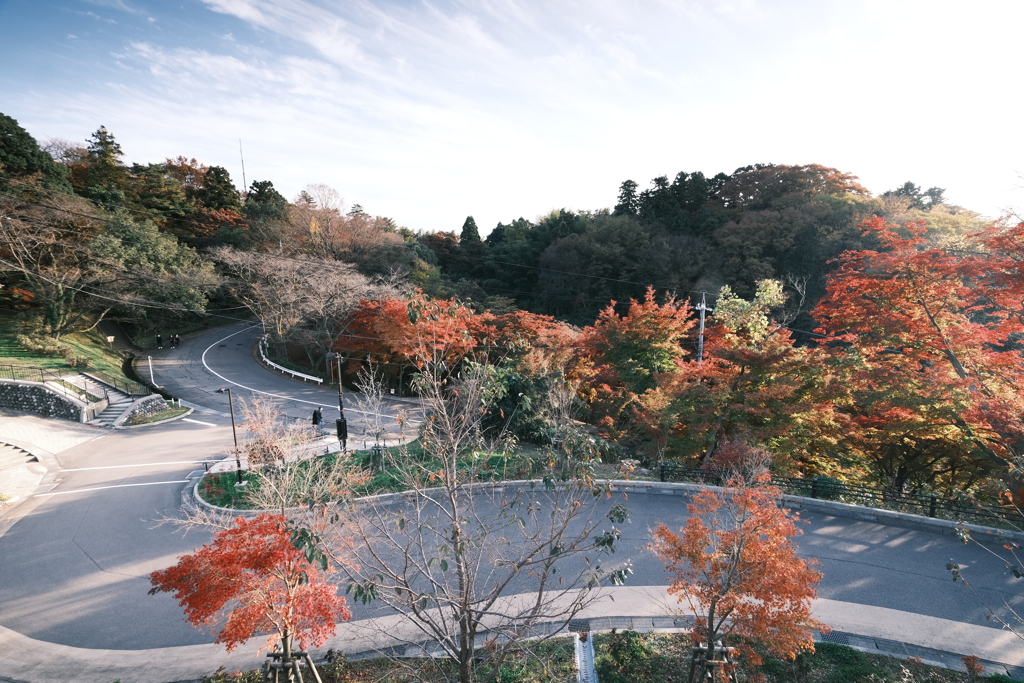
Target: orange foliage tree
(753, 384)
(252, 580)
(735, 564)
(626, 353)
(930, 336)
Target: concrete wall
(35, 397)
(148, 405)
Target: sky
(427, 112)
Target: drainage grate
(837, 637)
(578, 626)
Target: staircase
(119, 403)
(12, 456)
(119, 400)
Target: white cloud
(431, 111)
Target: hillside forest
(874, 339)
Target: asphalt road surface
(74, 561)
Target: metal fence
(120, 383)
(51, 379)
(925, 503)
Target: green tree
(218, 192)
(21, 157)
(629, 203)
(106, 178)
(265, 202)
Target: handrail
(830, 489)
(125, 386)
(48, 378)
(293, 373)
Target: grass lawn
(90, 345)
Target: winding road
(74, 559)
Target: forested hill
(689, 235)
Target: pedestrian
(177, 341)
(159, 341)
(318, 417)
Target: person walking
(177, 341)
(159, 341)
(318, 417)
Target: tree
(251, 580)
(217, 191)
(21, 157)
(264, 202)
(308, 300)
(753, 384)
(930, 333)
(628, 203)
(736, 566)
(460, 560)
(104, 178)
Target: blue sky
(431, 111)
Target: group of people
(173, 340)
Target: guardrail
(281, 368)
(929, 504)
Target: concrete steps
(12, 456)
(119, 404)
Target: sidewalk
(937, 641)
(43, 437)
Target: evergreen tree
(264, 201)
(21, 156)
(470, 233)
(629, 203)
(218, 192)
(106, 178)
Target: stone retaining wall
(148, 405)
(33, 397)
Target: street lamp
(341, 423)
(238, 458)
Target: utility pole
(234, 434)
(342, 423)
(245, 185)
(702, 307)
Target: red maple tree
(251, 581)
(735, 564)
(929, 336)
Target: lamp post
(341, 423)
(234, 434)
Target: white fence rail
(303, 377)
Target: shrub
(80, 362)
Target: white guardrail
(263, 355)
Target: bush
(1003, 678)
(79, 362)
(826, 488)
(43, 346)
(625, 651)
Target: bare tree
(473, 565)
(370, 399)
(305, 300)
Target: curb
(158, 422)
(905, 520)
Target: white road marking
(116, 486)
(267, 393)
(144, 464)
(198, 422)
